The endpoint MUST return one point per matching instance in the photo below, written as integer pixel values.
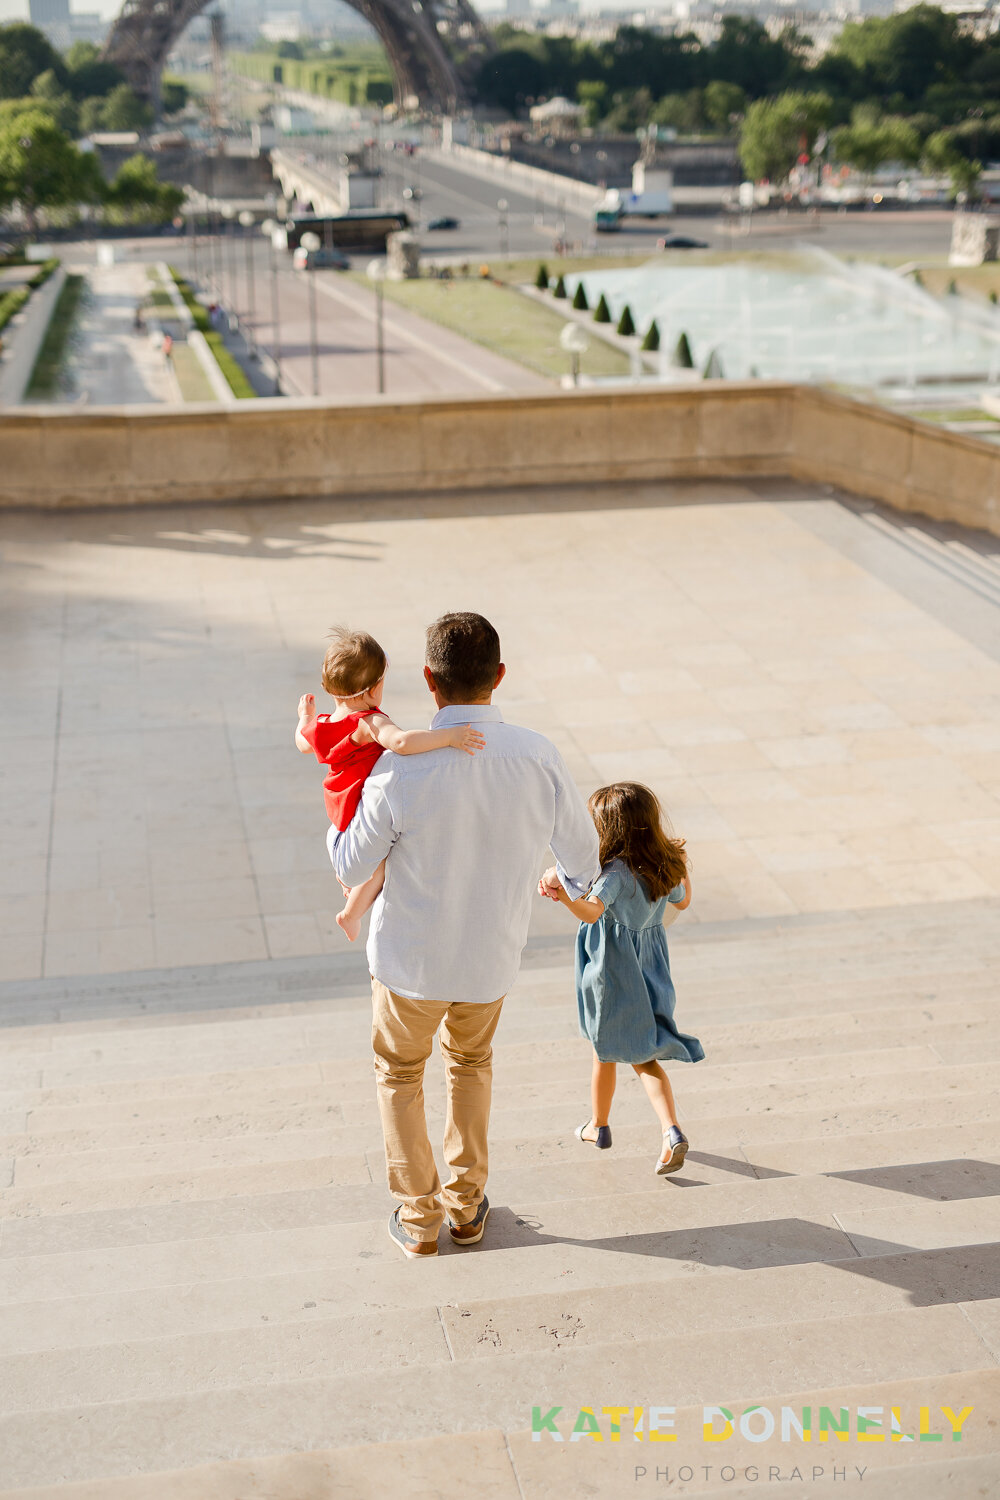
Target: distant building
(52, 18)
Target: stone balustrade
(57, 457)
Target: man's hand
(307, 708)
(550, 885)
(464, 737)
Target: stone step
(836, 1215)
(911, 1071)
(936, 1091)
(252, 1109)
(731, 1042)
(822, 1135)
(253, 1420)
(968, 1478)
(606, 1471)
(183, 1186)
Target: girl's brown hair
(630, 826)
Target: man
(464, 839)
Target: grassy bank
(505, 322)
(47, 374)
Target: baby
(351, 740)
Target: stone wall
(54, 457)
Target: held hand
(468, 739)
(307, 708)
(550, 885)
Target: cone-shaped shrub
(559, 290)
(993, 298)
(682, 354)
(713, 368)
(602, 313)
(580, 298)
(542, 279)
(626, 327)
(953, 288)
(652, 339)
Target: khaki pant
(402, 1034)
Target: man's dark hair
(463, 652)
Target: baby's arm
(585, 910)
(418, 741)
(307, 716)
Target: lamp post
(309, 243)
(247, 222)
(575, 342)
(229, 214)
(375, 271)
(269, 226)
(502, 206)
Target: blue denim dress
(623, 987)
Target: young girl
(624, 991)
(351, 740)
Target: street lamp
(247, 222)
(575, 342)
(269, 226)
(309, 243)
(375, 271)
(229, 214)
(502, 206)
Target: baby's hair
(354, 662)
(630, 826)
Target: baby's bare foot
(349, 926)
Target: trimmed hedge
(235, 378)
(198, 310)
(11, 302)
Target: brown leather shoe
(471, 1233)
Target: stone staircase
(199, 1301)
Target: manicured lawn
(45, 377)
(504, 321)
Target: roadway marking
(419, 342)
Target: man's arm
(358, 851)
(574, 837)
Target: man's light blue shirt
(464, 838)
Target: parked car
(320, 260)
(680, 242)
(443, 223)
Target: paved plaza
(200, 1299)
(823, 742)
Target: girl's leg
(602, 1092)
(360, 898)
(661, 1095)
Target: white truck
(652, 195)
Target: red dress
(350, 765)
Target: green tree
(173, 96)
(683, 358)
(137, 195)
(723, 103)
(579, 297)
(89, 76)
(652, 340)
(684, 112)
(559, 290)
(602, 312)
(626, 324)
(58, 100)
(592, 93)
(907, 53)
(747, 55)
(872, 139)
(630, 110)
(124, 110)
(776, 132)
(24, 53)
(942, 155)
(542, 277)
(41, 168)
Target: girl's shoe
(603, 1135)
(676, 1143)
